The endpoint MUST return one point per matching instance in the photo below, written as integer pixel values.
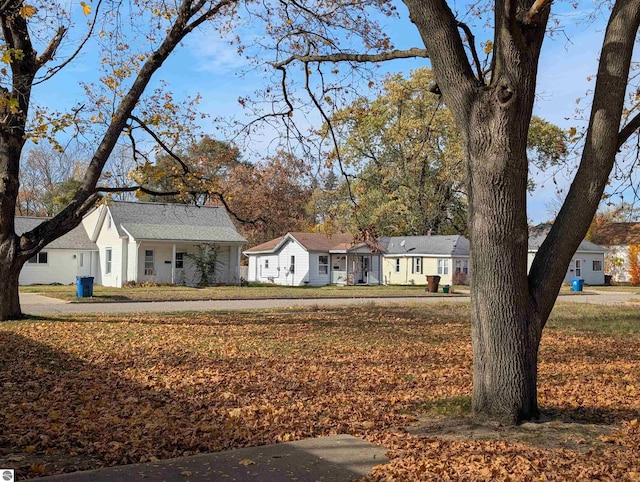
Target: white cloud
(214, 55)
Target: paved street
(34, 304)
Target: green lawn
(179, 293)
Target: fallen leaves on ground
(140, 388)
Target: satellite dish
(402, 243)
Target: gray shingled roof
(536, 241)
(76, 239)
(454, 245)
(174, 222)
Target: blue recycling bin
(84, 285)
(577, 284)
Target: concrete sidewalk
(39, 305)
(330, 459)
(34, 304)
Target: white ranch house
(314, 259)
(132, 241)
(71, 255)
(587, 262)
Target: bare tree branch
(628, 130)
(349, 57)
(474, 53)
(51, 49)
(165, 148)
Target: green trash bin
(445, 288)
(84, 286)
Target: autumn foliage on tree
(402, 155)
(634, 264)
(265, 198)
(272, 196)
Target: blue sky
(210, 66)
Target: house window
(416, 265)
(40, 258)
(461, 266)
(148, 262)
(323, 264)
(292, 267)
(597, 265)
(578, 267)
(107, 264)
(266, 264)
(179, 260)
(397, 265)
(443, 266)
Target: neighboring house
(314, 259)
(587, 262)
(410, 259)
(618, 238)
(320, 259)
(150, 241)
(71, 255)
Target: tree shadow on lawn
(60, 412)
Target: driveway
(34, 304)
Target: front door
(365, 267)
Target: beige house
(408, 260)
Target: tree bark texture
(10, 266)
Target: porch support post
(173, 263)
(136, 269)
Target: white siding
(109, 238)
(301, 270)
(90, 221)
(62, 267)
(315, 277)
(132, 260)
(252, 271)
(586, 259)
(275, 268)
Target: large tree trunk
(10, 268)
(494, 119)
(505, 329)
